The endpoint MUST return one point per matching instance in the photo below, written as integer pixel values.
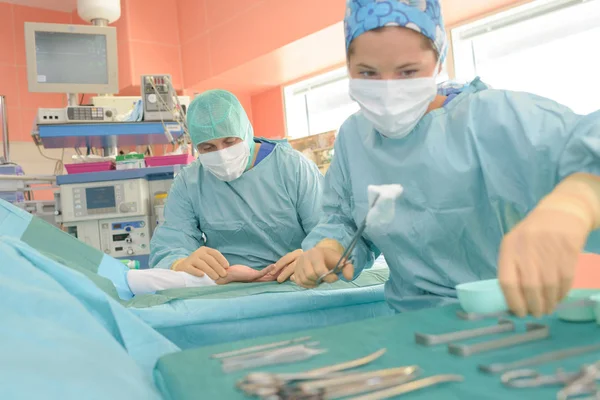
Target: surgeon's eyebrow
(410, 64)
(365, 66)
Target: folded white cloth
(142, 281)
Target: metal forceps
(345, 258)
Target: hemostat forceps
(345, 258)
(262, 379)
(259, 383)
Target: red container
(161, 161)
(83, 168)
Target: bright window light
(546, 47)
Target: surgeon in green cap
(241, 211)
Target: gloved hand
(203, 261)
(319, 260)
(242, 273)
(538, 258)
(284, 268)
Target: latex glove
(203, 261)
(284, 268)
(242, 273)
(319, 260)
(538, 260)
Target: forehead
(391, 41)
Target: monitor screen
(100, 197)
(71, 58)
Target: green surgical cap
(217, 114)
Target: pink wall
(588, 272)
(268, 112)
(148, 42)
(22, 105)
(224, 35)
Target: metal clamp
(534, 332)
(432, 340)
(543, 358)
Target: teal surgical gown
(470, 172)
(254, 220)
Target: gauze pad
(382, 211)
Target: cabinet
(317, 148)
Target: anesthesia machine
(112, 210)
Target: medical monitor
(71, 58)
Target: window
(546, 47)
(317, 105)
(321, 104)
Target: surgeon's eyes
(368, 74)
(206, 149)
(408, 74)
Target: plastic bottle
(160, 199)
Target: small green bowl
(578, 314)
(481, 297)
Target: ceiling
(58, 5)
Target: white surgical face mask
(227, 164)
(394, 106)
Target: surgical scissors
(345, 258)
(574, 384)
(529, 378)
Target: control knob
(128, 240)
(130, 251)
(124, 208)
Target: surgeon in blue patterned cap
(497, 184)
(413, 36)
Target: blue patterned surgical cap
(423, 16)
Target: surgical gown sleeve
(308, 192)
(337, 221)
(180, 235)
(547, 142)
